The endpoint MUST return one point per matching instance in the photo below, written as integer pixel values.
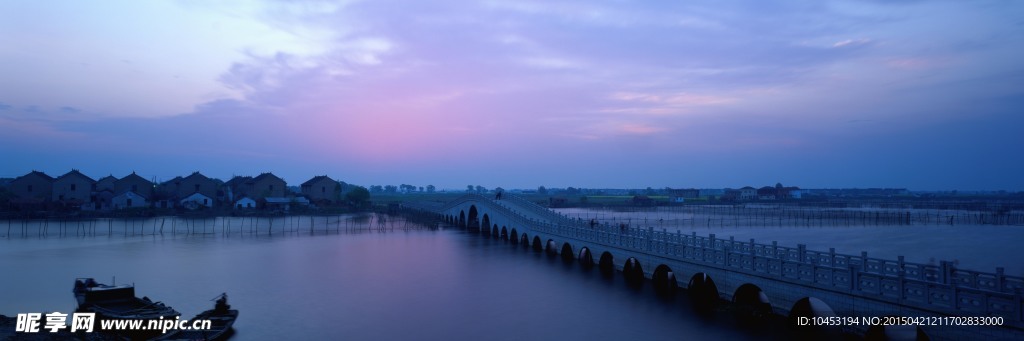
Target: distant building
(321, 188)
(237, 187)
(32, 185)
(264, 185)
(766, 193)
(267, 185)
(73, 189)
(31, 191)
(128, 199)
(196, 200)
(748, 193)
(106, 183)
(195, 183)
(245, 203)
(730, 194)
(134, 183)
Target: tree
(376, 188)
(391, 188)
(542, 190)
(499, 189)
(469, 188)
(572, 190)
(358, 196)
(481, 189)
(431, 188)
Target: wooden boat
(118, 302)
(221, 317)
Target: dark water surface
(370, 285)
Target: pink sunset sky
(861, 93)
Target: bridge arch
(494, 231)
(586, 259)
(504, 233)
(551, 247)
(462, 219)
(525, 240)
(537, 246)
(567, 254)
(703, 292)
(632, 271)
(607, 263)
(485, 224)
(473, 221)
(664, 280)
(514, 236)
(752, 305)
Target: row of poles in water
(719, 216)
(226, 226)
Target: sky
(925, 95)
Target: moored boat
(221, 318)
(118, 302)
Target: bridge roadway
(758, 278)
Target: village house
(766, 193)
(195, 183)
(237, 187)
(128, 199)
(262, 186)
(748, 193)
(321, 188)
(32, 185)
(134, 183)
(73, 189)
(196, 200)
(245, 203)
(106, 183)
(267, 185)
(31, 190)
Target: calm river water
(398, 284)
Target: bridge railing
(536, 209)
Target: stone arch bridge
(758, 278)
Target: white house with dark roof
(196, 200)
(128, 199)
(245, 203)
